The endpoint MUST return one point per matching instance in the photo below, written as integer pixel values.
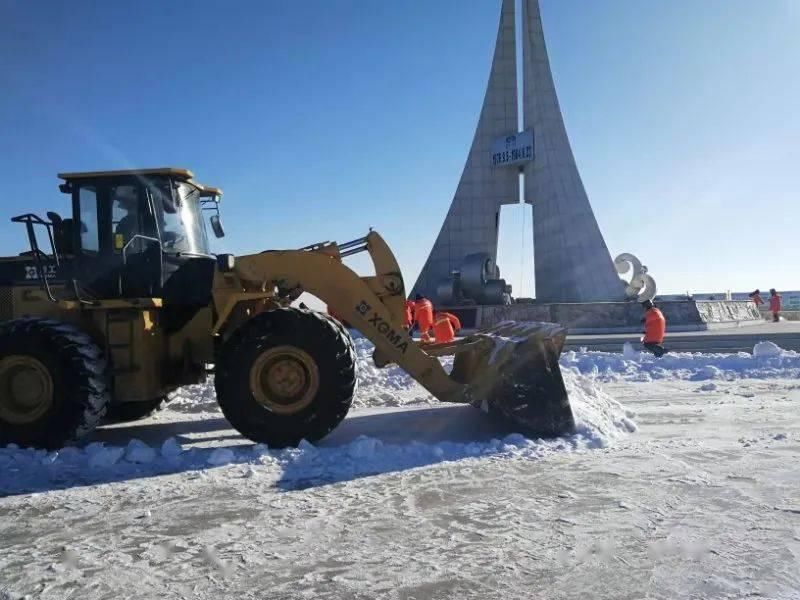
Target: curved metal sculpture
(477, 280)
(493, 291)
(641, 286)
(476, 270)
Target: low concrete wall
(624, 316)
(721, 311)
(789, 315)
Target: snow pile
(367, 449)
(767, 350)
(99, 456)
(599, 418)
(139, 452)
(390, 386)
(767, 361)
(200, 398)
(600, 421)
(221, 456)
(171, 449)
(629, 352)
(367, 456)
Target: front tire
(53, 383)
(286, 375)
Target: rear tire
(53, 383)
(286, 375)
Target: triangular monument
(571, 259)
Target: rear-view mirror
(216, 225)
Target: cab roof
(207, 191)
(184, 174)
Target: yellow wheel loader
(123, 303)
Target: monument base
(615, 317)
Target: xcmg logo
(398, 340)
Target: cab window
(179, 218)
(173, 232)
(126, 219)
(90, 238)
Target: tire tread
(315, 332)
(83, 371)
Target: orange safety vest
(445, 327)
(423, 312)
(409, 313)
(655, 326)
(453, 320)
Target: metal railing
(353, 247)
(30, 220)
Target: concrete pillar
(471, 223)
(571, 259)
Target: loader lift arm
(374, 305)
(511, 369)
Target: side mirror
(216, 225)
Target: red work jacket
(655, 326)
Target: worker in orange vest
(409, 314)
(423, 314)
(775, 305)
(655, 326)
(445, 327)
(756, 298)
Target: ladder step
(126, 343)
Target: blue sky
(320, 119)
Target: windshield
(180, 220)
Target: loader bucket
(512, 370)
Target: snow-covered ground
(767, 361)
(683, 480)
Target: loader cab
(137, 234)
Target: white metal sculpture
(641, 285)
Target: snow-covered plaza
(683, 481)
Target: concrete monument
(577, 283)
(571, 259)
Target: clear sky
(322, 118)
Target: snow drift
(767, 361)
(359, 448)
